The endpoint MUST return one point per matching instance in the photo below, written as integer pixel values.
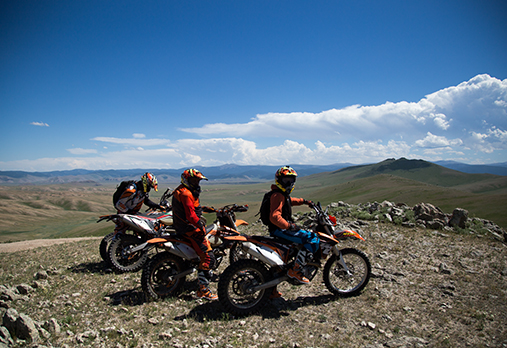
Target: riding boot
(296, 272)
(204, 290)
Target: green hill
(71, 210)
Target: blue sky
(173, 84)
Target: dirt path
(30, 244)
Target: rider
(136, 194)
(282, 225)
(189, 222)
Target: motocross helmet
(149, 181)
(285, 179)
(191, 178)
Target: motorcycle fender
(182, 250)
(343, 234)
(263, 253)
(240, 222)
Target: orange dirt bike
(246, 285)
(164, 274)
(138, 229)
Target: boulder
(26, 330)
(459, 218)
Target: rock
(24, 289)
(52, 326)
(8, 295)
(458, 218)
(26, 330)
(41, 275)
(428, 212)
(9, 320)
(5, 337)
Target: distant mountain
(229, 173)
(495, 168)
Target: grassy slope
(54, 211)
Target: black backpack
(265, 208)
(120, 189)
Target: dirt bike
(138, 228)
(246, 285)
(164, 274)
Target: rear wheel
(347, 282)
(104, 246)
(234, 287)
(158, 279)
(121, 260)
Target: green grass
(71, 210)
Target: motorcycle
(164, 274)
(246, 285)
(136, 230)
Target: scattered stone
(26, 330)
(52, 326)
(41, 275)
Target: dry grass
(429, 289)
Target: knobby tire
(346, 285)
(156, 279)
(121, 263)
(236, 279)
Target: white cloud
(464, 120)
(454, 112)
(40, 124)
(79, 151)
(136, 141)
(435, 141)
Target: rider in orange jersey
(189, 222)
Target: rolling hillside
(71, 210)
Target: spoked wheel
(104, 246)
(350, 277)
(158, 279)
(237, 253)
(234, 287)
(121, 260)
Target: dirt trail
(30, 244)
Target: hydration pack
(265, 208)
(120, 189)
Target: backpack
(120, 189)
(265, 208)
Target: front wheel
(121, 260)
(159, 276)
(349, 281)
(234, 287)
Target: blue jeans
(309, 239)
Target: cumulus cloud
(452, 112)
(433, 141)
(465, 120)
(40, 124)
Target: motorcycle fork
(341, 261)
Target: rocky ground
(430, 288)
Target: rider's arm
(297, 201)
(275, 215)
(150, 203)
